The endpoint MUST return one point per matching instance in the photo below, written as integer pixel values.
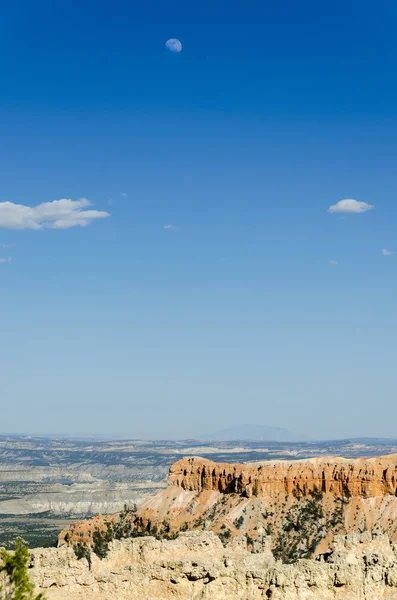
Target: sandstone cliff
(363, 478)
(302, 504)
(196, 566)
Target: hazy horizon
(198, 218)
(197, 438)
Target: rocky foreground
(197, 566)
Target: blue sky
(211, 285)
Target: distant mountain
(254, 433)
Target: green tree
(16, 584)
(82, 551)
(100, 541)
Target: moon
(173, 45)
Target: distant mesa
(254, 433)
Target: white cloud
(387, 252)
(124, 194)
(333, 262)
(59, 214)
(5, 246)
(5, 260)
(350, 206)
(171, 227)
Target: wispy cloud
(350, 206)
(387, 252)
(5, 260)
(59, 214)
(5, 246)
(124, 194)
(333, 262)
(171, 228)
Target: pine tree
(14, 577)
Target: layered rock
(363, 478)
(196, 565)
(301, 503)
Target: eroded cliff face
(197, 566)
(362, 478)
(302, 504)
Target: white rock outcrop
(197, 566)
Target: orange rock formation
(364, 477)
(351, 495)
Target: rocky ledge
(197, 566)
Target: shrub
(14, 569)
(100, 541)
(239, 522)
(82, 551)
(224, 536)
(304, 526)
